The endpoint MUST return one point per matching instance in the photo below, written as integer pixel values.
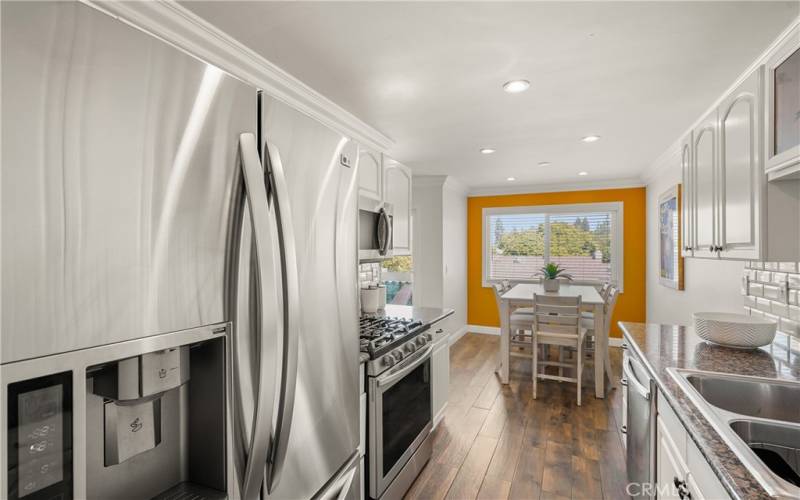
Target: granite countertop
(667, 346)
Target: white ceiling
(429, 75)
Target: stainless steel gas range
(399, 416)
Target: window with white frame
(584, 239)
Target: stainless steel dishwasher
(641, 424)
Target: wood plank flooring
(495, 442)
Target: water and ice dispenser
(155, 424)
(135, 420)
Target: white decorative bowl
(734, 330)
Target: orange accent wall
(631, 304)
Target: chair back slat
(611, 304)
(555, 314)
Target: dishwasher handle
(633, 382)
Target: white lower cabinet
(440, 376)
(681, 470)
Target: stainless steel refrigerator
(179, 290)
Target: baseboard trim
(458, 334)
(484, 330)
(615, 342)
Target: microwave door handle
(262, 225)
(383, 232)
(292, 326)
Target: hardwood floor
(496, 442)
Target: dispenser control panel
(40, 438)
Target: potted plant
(550, 276)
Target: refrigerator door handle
(258, 203)
(291, 327)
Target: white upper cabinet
(730, 211)
(740, 171)
(687, 197)
(370, 174)
(397, 191)
(783, 109)
(705, 165)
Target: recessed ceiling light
(583, 173)
(487, 151)
(591, 138)
(544, 163)
(516, 86)
(511, 178)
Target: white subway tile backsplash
(789, 326)
(763, 304)
(766, 294)
(780, 309)
(772, 292)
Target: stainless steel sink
(749, 396)
(758, 418)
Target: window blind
(521, 243)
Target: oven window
(406, 412)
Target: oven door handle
(395, 376)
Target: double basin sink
(758, 418)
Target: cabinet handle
(440, 330)
(711, 248)
(683, 490)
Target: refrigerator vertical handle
(291, 306)
(258, 203)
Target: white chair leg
(535, 360)
(580, 368)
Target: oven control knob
(398, 355)
(429, 336)
(421, 341)
(410, 347)
(389, 360)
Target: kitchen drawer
(672, 425)
(703, 483)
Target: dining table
(521, 295)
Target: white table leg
(600, 350)
(505, 337)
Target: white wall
(454, 246)
(426, 244)
(710, 285)
(440, 246)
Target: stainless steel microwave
(374, 230)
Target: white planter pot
(551, 285)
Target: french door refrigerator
(179, 292)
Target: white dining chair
(520, 326)
(557, 321)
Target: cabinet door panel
(397, 191)
(369, 174)
(740, 170)
(669, 463)
(705, 182)
(687, 198)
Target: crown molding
(428, 180)
(557, 188)
(660, 163)
(189, 32)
